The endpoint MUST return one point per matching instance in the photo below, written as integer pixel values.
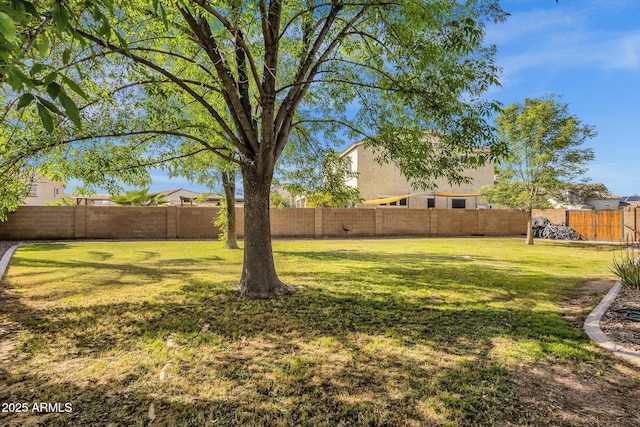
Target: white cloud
(555, 39)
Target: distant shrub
(627, 267)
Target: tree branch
(204, 37)
(179, 82)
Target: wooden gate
(597, 225)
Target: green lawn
(380, 332)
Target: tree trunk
(229, 185)
(259, 278)
(529, 240)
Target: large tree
(545, 157)
(385, 72)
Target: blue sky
(588, 51)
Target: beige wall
(44, 191)
(121, 222)
(377, 181)
(172, 222)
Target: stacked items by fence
(544, 229)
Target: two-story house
(43, 190)
(384, 184)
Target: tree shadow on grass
(387, 352)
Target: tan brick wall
(454, 222)
(499, 222)
(126, 222)
(110, 222)
(298, 222)
(631, 220)
(357, 222)
(196, 223)
(556, 216)
(404, 222)
(39, 222)
(80, 222)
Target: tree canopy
(545, 157)
(248, 77)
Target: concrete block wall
(117, 222)
(499, 222)
(39, 222)
(458, 222)
(556, 216)
(195, 223)
(348, 222)
(631, 218)
(298, 222)
(126, 222)
(403, 222)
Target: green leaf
(37, 68)
(50, 105)
(7, 27)
(30, 8)
(50, 78)
(42, 44)
(25, 100)
(53, 89)
(74, 86)
(14, 81)
(163, 15)
(123, 43)
(66, 56)
(17, 78)
(45, 118)
(60, 16)
(70, 108)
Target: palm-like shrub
(139, 198)
(627, 268)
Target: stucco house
(589, 196)
(384, 185)
(43, 190)
(182, 197)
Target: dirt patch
(603, 393)
(576, 307)
(588, 395)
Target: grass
(384, 332)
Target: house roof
(167, 193)
(630, 199)
(350, 148)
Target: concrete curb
(592, 328)
(4, 262)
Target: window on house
(431, 203)
(403, 202)
(458, 203)
(33, 190)
(393, 203)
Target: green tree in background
(333, 191)
(546, 155)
